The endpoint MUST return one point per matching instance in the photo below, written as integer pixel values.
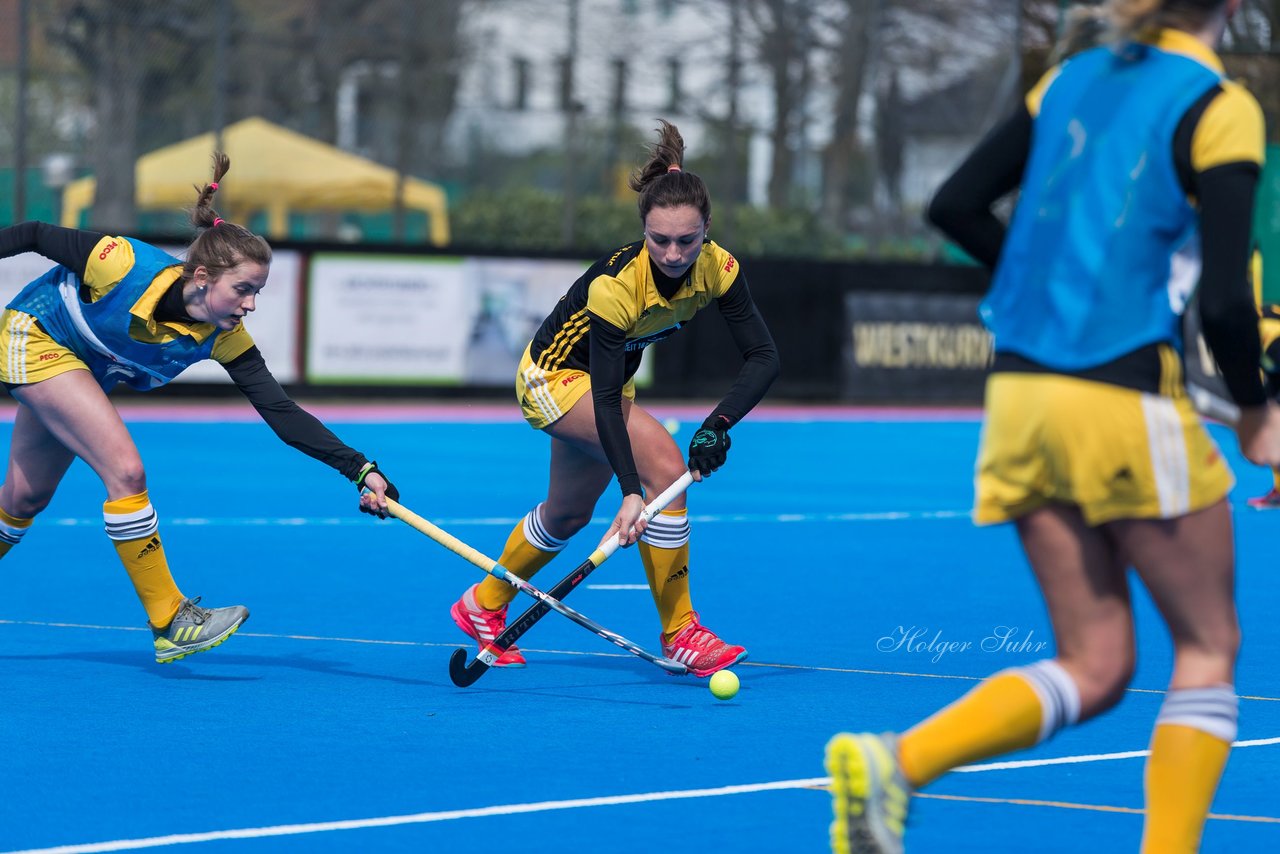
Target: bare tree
(783, 34)
(855, 31)
(399, 65)
(117, 48)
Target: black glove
(710, 445)
(392, 493)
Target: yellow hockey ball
(724, 684)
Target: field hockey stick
(464, 673)
(493, 568)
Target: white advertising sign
(437, 320)
(386, 320)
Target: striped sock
(1189, 749)
(529, 548)
(1012, 710)
(664, 550)
(133, 527)
(12, 530)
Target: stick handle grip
(441, 536)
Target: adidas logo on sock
(680, 573)
(153, 545)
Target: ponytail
(221, 244)
(662, 181)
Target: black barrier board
(914, 348)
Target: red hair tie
(674, 167)
(217, 221)
(213, 186)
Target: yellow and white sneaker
(869, 794)
(195, 629)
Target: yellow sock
(519, 556)
(1189, 749)
(1003, 713)
(133, 529)
(667, 569)
(1275, 477)
(12, 530)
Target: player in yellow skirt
(575, 384)
(116, 310)
(1124, 155)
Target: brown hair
(1130, 19)
(663, 183)
(1085, 28)
(220, 245)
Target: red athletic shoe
(1269, 501)
(701, 651)
(484, 626)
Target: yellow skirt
(1113, 452)
(545, 396)
(30, 354)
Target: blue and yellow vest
(98, 332)
(1084, 276)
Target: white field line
(538, 806)
(493, 521)
(450, 645)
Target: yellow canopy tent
(273, 170)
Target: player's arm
(70, 247)
(298, 428)
(962, 207)
(760, 355)
(1223, 155)
(608, 374)
(1228, 314)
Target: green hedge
(533, 219)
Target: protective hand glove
(391, 492)
(710, 445)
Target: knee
(663, 471)
(128, 478)
(562, 523)
(1220, 639)
(28, 505)
(1207, 658)
(1102, 676)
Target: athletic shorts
(545, 396)
(1113, 452)
(30, 354)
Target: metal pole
(1019, 33)
(20, 119)
(568, 225)
(221, 38)
(404, 130)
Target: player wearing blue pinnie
(116, 310)
(1124, 155)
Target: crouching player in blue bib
(116, 310)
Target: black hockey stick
(464, 672)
